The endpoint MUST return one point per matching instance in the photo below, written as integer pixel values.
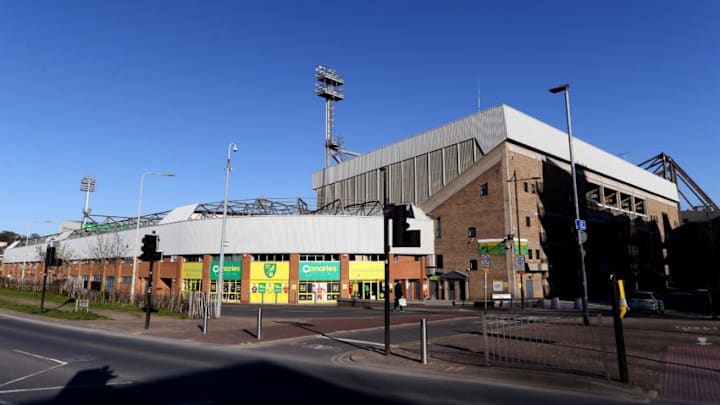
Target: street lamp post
(137, 230)
(517, 215)
(565, 88)
(221, 265)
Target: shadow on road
(252, 383)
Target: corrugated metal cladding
(450, 156)
(249, 234)
(487, 127)
(467, 156)
(420, 166)
(395, 182)
(423, 184)
(372, 186)
(436, 171)
(408, 180)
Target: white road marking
(60, 387)
(362, 342)
(59, 364)
(40, 357)
(301, 311)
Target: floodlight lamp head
(560, 88)
(235, 148)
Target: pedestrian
(714, 295)
(397, 289)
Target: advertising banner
(231, 270)
(367, 271)
(319, 271)
(269, 282)
(192, 270)
(497, 246)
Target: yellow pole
(624, 308)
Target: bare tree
(63, 253)
(107, 249)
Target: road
(43, 363)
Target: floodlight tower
(329, 87)
(87, 184)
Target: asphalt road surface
(42, 364)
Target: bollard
(423, 340)
(206, 303)
(555, 303)
(486, 349)
(259, 324)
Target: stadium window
(439, 261)
(533, 188)
(525, 186)
(530, 256)
(484, 189)
(471, 232)
(438, 228)
(473, 264)
(527, 221)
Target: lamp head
(235, 149)
(560, 88)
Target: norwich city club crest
(270, 269)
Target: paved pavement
(666, 361)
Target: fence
(556, 341)
(73, 288)
(197, 302)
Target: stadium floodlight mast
(565, 88)
(87, 184)
(137, 229)
(219, 286)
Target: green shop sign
(319, 271)
(231, 270)
(497, 246)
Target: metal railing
(557, 341)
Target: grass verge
(50, 313)
(63, 300)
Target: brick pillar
(245, 289)
(206, 274)
(345, 276)
(294, 278)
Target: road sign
(520, 263)
(583, 236)
(580, 224)
(485, 261)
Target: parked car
(646, 301)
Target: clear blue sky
(114, 89)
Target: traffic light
(51, 258)
(401, 235)
(149, 248)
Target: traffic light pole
(387, 210)
(48, 253)
(51, 259)
(148, 296)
